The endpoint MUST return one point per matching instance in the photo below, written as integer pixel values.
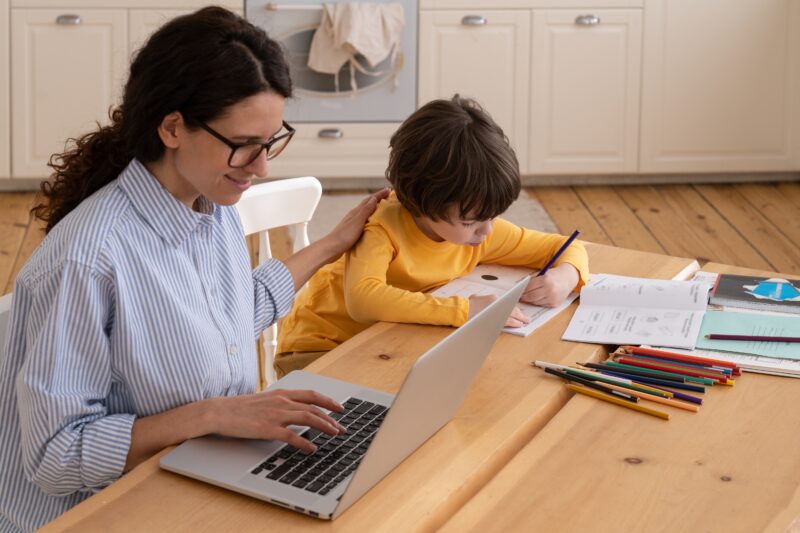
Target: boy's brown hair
(451, 152)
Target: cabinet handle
(331, 133)
(473, 20)
(587, 20)
(68, 20)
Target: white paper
(628, 310)
(497, 280)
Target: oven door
(316, 96)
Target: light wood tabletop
(733, 466)
(509, 403)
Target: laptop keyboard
(336, 457)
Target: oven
(383, 95)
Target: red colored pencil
(680, 369)
(679, 357)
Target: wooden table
(734, 466)
(509, 403)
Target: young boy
(453, 172)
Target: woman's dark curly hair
(197, 64)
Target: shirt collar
(168, 216)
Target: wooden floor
(751, 225)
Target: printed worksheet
(497, 280)
(627, 310)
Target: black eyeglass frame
(264, 146)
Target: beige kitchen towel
(348, 29)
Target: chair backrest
(290, 202)
(5, 314)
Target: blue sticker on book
(775, 289)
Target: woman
(133, 324)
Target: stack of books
(753, 322)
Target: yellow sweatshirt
(387, 273)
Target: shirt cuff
(278, 282)
(105, 446)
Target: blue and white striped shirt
(132, 305)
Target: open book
(626, 310)
(497, 280)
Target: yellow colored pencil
(623, 403)
(658, 399)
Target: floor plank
(618, 221)
(568, 213)
(722, 242)
(16, 217)
(767, 199)
(790, 190)
(663, 221)
(781, 253)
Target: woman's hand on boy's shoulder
(553, 287)
(350, 228)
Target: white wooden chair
(289, 202)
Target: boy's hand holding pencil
(552, 288)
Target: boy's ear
(169, 129)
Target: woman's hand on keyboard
(266, 415)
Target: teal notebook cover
(731, 323)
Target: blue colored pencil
(656, 381)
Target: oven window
(297, 46)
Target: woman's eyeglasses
(242, 154)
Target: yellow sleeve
(512, 245)
(368, 296)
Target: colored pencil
(592, 385)
(759, 338)
(659, 383)
(683, 396)
(595, 376)
(671, 366)
(617, 401)
(560, 251)
(620, 381)
(661, 400)
(613, 366)
(663, 374)
(728, 372)
(637, 350)
(688, 375)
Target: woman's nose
(259, 166)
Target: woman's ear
(169, 129)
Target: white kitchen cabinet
(483, 54)
(721, 86)
(5, 94)
(335, 151)
(584, 113)
(66, 72)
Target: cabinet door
(329, 150)
(67, 68)
(5, 96)
(585, 91)
(484, 55)
(720, 88)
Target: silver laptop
(382, 429)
